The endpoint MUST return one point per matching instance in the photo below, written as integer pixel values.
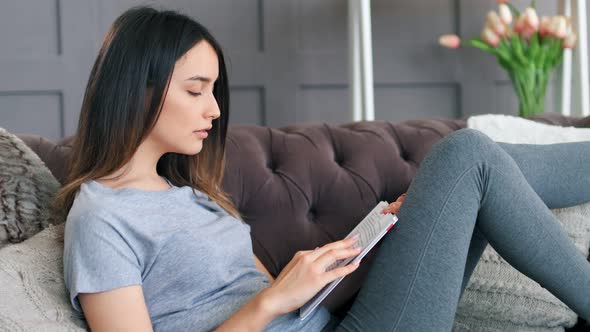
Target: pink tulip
(561, 28)
(531, 18)
(527, 32)
(553, 24)
(505, 14)
(570, 40)
(503, 1)
(544, 27)
(519, 24)
(449, 41)
(522, 27)
(490, 37)
(496, 23)
(558, 27)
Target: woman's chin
(191, 150)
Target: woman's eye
(195, 94)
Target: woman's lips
(201, 133)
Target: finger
(401, 198)
(303, 252)
(392, 208)
(340, 272)
(297, 257)
(389, 208)
(345, 243)
(331, 256)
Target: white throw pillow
(498, 297)
(511, 129)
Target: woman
(152, 242)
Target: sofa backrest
(305, 185)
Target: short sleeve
(248, 228)
(97, 257)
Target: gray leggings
(470, 191)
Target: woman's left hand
(394, 207)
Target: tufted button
(312, 214)
(404, 155)
(338, 158)
(271, 164)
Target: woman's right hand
(305, 275)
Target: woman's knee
(467, 140)
(467, 144)
(468, 137)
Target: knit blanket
(33, 294)
(498, 297)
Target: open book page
(370, 230)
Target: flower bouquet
(528, 48)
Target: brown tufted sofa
(306, 185)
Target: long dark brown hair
(123, 100)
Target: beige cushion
(33, 295)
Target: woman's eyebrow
(199, 78)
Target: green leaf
(533, 51)
(543, 52)
(504, 45)
(557, 55)
(505, 64)
(478, 43)
(517, 49)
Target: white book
(370, 230)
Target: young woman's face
(189, 107)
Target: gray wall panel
(417, 101)
(235, 23)
(247, 105)
(323, 103)
(32, 111)
(37, 24)
(287, 59)
(393, 102)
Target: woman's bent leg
(558, 173)
(416, 278)
(555, 172)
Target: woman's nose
(213, 111)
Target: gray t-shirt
(194, 261)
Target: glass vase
(530, 85)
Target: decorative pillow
(26, 189)
(498, 297)
(33, 295)
(511, 129)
